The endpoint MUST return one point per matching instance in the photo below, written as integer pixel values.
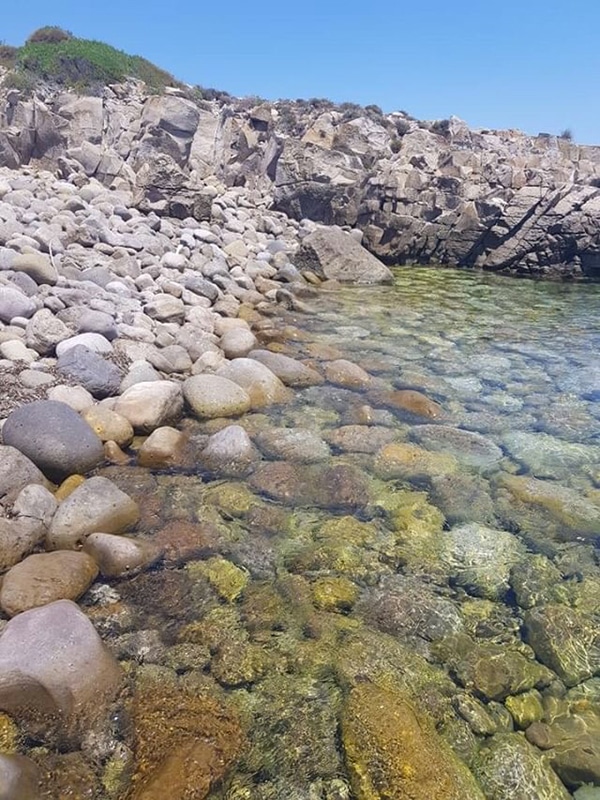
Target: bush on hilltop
(49, 34)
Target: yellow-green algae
(394, 753)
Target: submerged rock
(391, 751)
(480, 558)
(565, 640)
(546, 456)
(471, 449)
(509, 768)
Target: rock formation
(420, 192)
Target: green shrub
(86, 63)
(21, 81)
(49, 34)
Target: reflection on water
(405, 585)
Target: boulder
(121, 555)
(393, 751)
(20, 778)
(293, 444)
(150, 404)
(214, 396)
(262, 386)
(38, 266)
(14, 303)
(334, 254)
(43, 578)
(44, 331)
(18, 537)
(100, 377)
(16, 472)
(54, 437)
(108, 425)
(162, 448)
(57, 679)
(509, 768)
(96, 505)
(229, 452)
(288, 370)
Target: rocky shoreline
(421, 192)
(113, 322)
(137, 302)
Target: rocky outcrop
(420, 192)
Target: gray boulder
(14, 303)
(94, 373)
(54, 437)
(335, 254)
(57, 679)
(16, 471)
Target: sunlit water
(418, 577)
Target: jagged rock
(334, 254)
(100, 377)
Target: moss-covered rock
(185, 742)
(494, 671)
(334, 594)
(536, 581)
(572, 740)
(228, 580)
(525, 708)
(391, 751)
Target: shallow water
(457, 573)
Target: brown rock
(46, 577)
(345, 373)
(408, 401)
(161, 449)
(121, 555)
(18, 537)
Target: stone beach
(248, 556)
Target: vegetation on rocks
(54, 55)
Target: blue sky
(527, 64)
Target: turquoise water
(437, 549)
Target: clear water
(280, 603)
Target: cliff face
(432, 193)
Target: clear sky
(528, 64)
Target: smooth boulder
(54, 437)
(151, 404)
(45, 577)
(57, 678)
(97, 505)
(211, 396)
